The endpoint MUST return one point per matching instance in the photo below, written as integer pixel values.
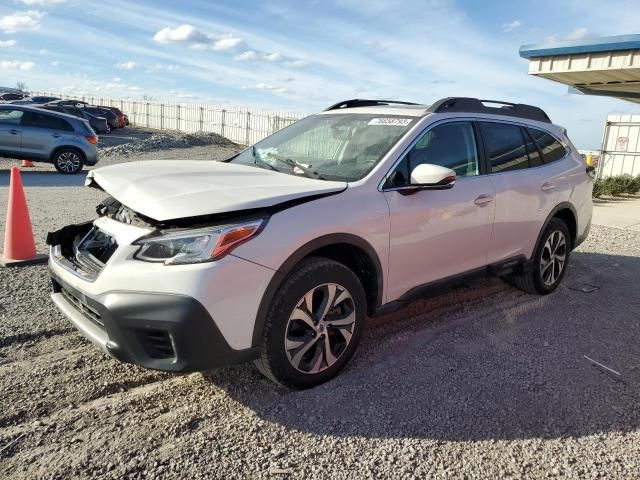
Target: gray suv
(43, 136)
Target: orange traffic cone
(27, 163)
(19, 246)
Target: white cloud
(116, 79)
(509, 27)
(578, 33)
(183, 34)
(16, 65)
(247, 56)
(270, 88)
(375, 45)
(296, 63)
(126, 65)
(272, 57)
(158, 67)
(198, 40)
(55, 63)
(287, 79)
(42, 3)
(227, 42)
(7, 43)
(21, 21)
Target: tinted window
(451, 145)
(535, 160)
(42, 120)
(505, 147)
(11, 117)
(552, 149)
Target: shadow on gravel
(44, 179)
(503, 365)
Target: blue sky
(302, 56)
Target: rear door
(10, 132)
(435, 234)
(42, 133)
(524, 186)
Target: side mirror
(432, 177)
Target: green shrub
(614, 186)
(598, 188)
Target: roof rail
(356, 102)
(474, 105)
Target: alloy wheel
(320, 327)
(69, 162)
(553, 258)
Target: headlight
(195, 246)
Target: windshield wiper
(259, 161)
(293, 163)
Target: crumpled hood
(172, 189)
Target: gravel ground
(482, 382)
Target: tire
(543, 277)
(68, 161)
(294, 343)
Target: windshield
(329, 147)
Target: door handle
(483, 199)
(56, 135)
(547, 186)
(14, 132)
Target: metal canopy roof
(606, 66)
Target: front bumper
(158, 331)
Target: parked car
(38, 135)
(9, 97)
(111, 116)
(43, 99)
(278, 254)
(99, 124)
(123, 120)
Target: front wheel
(313, 325)
(549, 262)
(68, 161)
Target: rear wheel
(68, 161)
(313, 325)
(549, 262)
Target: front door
(435, 234)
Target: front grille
(90, 313)
(157, 343)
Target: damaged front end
(82, 249)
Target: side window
(451, 145)
(505, 147)
(552, 150)
(535, 160)
(10, 117)
(41, 120)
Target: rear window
(505, 147)
(535, 160)
(552, 150)
(42, 120)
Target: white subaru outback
(279, 254)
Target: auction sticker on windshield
(402, 122)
